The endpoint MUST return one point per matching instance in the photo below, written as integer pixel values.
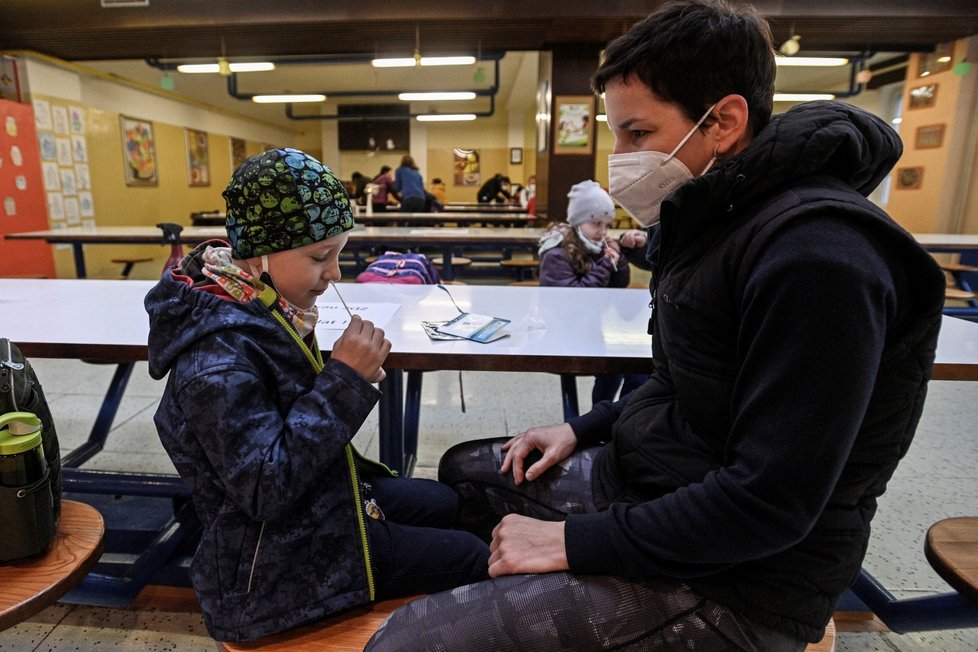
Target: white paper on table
(332, 315)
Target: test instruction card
(475, 327)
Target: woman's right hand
(363, 348)
(555, 442)
(633, 239)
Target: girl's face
(302, 274)
(595, 230)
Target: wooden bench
(345, 632)
(521, 265)
(33, 584)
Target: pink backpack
(394, 267)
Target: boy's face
(642, 121)
(302, 274)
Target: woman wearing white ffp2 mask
(641, 173)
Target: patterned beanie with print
(589, 202)
(283, 199)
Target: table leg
(103, 422)
(391, 426)
(568, 393)
(448, 273)
(78, 249)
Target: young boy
(297, 525)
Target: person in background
(358, 187)
(297, 524)
(384, 194)
(495, 189)
(528, 192)
(726, 504)
(410, 186)
(578, 253)
(439, 190)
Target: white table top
(586, 330)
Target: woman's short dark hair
(694, 52)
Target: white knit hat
(589, 202)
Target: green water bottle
(21, 454)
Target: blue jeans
(413, 548)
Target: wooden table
(28, 586)
(446, 238)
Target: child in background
(384, 194)
(439, 190)
(579, 253)
(297, 525)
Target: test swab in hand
(381, 373)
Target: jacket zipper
(269, 297)
(254, 560)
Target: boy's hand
(363, 348)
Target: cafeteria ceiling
(113, 36)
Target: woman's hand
(555, 442)
(363, 348)
(633, 239)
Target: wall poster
(138, 151)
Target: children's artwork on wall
(76, 119)
(42, 114)
(573, 124)
(467, 168)
(69, 185)
(138, 152)
(929, 137)
(59, 115)
(49, 149)
(52, 178)
(909, 178)
(79, 149)
(924, 96)
(198, 163)
(238, 154)
(81, 174)
(64, 151)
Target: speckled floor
(935, 481)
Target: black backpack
(28, 515)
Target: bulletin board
(22, 197)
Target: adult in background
(726, 505)
(410, 186)
(384, 194)
(495, 189)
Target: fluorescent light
(802, 97)
(420, 97)
(277, 99)
(409, 62)
(601, 117)
(447, 61)
(252, 66)
(446, 117)
(811, 61)
(403, 62)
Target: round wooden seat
(129, 261)
(951, 547)
(526, 283)
(345, 632)
(457, 261)
(827, 644)
(33, 584)
(956, 294)
(520, 262)
(958, 267)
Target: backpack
(28, 514)
(394, 267)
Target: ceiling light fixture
(200, 68)
(280, 99)
(446, 117)
(811, 61)
(437, 95)
(790, 47)
(802, 97)
(410, 62)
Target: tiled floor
(935, 481)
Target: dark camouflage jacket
(263, 440)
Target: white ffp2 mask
(639, 181)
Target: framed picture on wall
(573, 124)
(929, 137)
(238, 152)
(198, 161)
(468, 171)
(516, 156)
(138, 151)
(922, 97)
(909, 178)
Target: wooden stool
(827, 644)
(33, 584)
(526, 283)
(951, 547)
(345, 632)
(129, 261)
(457, 261)
(521, 265)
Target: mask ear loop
(691, 132)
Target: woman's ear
(731, 128)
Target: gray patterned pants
(557, 611)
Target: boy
(297, 525)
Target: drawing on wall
(467, 168)
(929, 137)
(198, 163)
(138, 152)
(909, 178)
(923, 96)
(238, 150)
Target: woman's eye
(638, 133)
